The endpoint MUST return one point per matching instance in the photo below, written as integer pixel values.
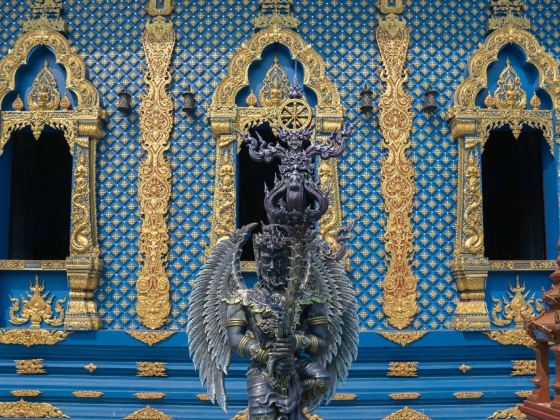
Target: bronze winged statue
(298, 325)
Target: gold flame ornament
(44, 95)
(37, 308)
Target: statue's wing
(331, 278)
(206, 329)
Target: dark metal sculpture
(298, 324)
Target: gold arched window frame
(471, 126)
(82, 129)
(226, 117)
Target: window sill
(522, 265)
(32, 265)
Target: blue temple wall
(444, 34)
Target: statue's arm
(242, 343)
(314, 341)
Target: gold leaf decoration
(153, 369)
(154, 186)
(403, 338)
(403, 369)
(397, 173)
(523, 394)
(203, 397)
(514, 337)
(30, 338)
(344, 397)
(524, 367)
(30, 367)
(90, 367)
(468, 395)
(508, 413)
(151, 337)
(150, 395)
(25, 393)
(516, 307)
(87, 394)
(405, 396)
(406, 414)
(44, 95)
(464, 368)
(148, 413)
(30, 410)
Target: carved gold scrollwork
(226, 117)
(154, 187)
(397, 173)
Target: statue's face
(274, 267)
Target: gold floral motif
(468, 395)
(406, 414)
(37, 308)
(397, 173)
(148, 413)
(152, 369)
(405, 396)
(151, 337)
(30, 367)
(149, 395)
(45, 14)
(516, 307)
(25, 410)
(524, 367)
(508, 413)
(90, 367)
(26, 393)
(464, 368)
(30, 338)
(403, 338)
(87, 394)
(403, 369)
(523, 394)
(513, 337)
(344, 397)
(226, 117)
(154, 186)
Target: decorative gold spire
(508, 13)
(46, 14)
(509, 93)
(516, 308)
(275, 13)
(44, 95)
(275, 86)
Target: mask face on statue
(273, 267)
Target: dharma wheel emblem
(294, 114)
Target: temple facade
(122, 166)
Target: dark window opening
(512, 186)
(251, 179)
(40, 196)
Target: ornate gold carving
(405, 396)
(152, 369)
(151, 337)
(30, 338)
(44, 95)
(509, 93)
(508, 13)
(275, 14)
(508, 413)
(87, 394)
(30, 367)
(406, 413)
(45, 14)
(524, 367)
(165, 9)
(468, 395)
(154, 186)
(403, 338)
(394, 6)
(473, 233)
(464, 368)
(294, 114)
(397, 173)
(275, 86)
(37, 308)
(225, 117)
(403, 369)
(90, 367)
(516, 308)
(24, 409)
(149, 395)
(520, 265)
(39, 265)
(148, 413)
(523, 394)
(25, 393)
(344, 397)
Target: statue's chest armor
(266, 313)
